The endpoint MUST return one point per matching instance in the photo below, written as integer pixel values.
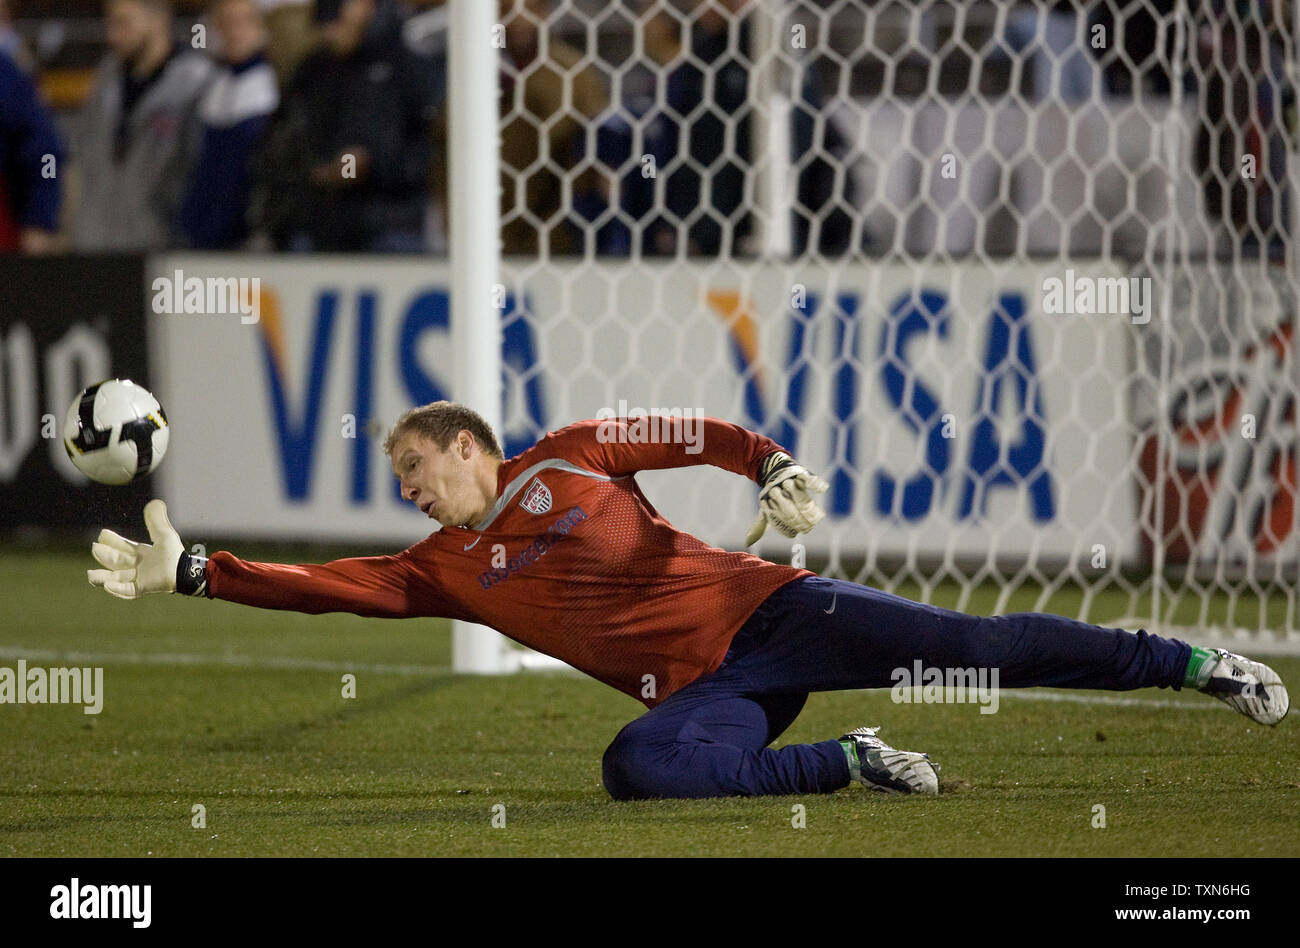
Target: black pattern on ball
(141, 432)
(88, 437)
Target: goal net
(1018, 280)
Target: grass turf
(241, 711)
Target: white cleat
(881, 768)
(1252, 688)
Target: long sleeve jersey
(31, 151)
(572, 560)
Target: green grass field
(241, 711)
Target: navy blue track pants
(710, 739)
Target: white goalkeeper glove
(136, 569)
(784, 500)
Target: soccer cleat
(879, 767)
(1252, 688)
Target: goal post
(475, 256)
(1020, 283)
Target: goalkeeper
(559, 549)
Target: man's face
(129, 26)
(239, 24)
(440, 483)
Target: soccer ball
(115, 432)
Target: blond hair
(440, 422)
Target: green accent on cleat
(851, 752)
(885, 769)
(1199, 667)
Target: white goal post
(473, 163)
(1019, 282)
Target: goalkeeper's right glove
(136, 569)
(784, 499)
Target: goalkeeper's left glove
(784, 500)
(135, 569)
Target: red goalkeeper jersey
(572, 561)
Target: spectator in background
(233, 114)
(1241, 144)
(688, 150)
(347, 162)
(11, 44)
(31, 159)
(665, 207)
(424, 25)
(291, 33)
(826, 194)
(662, 129)
(1137, 46)
(1054, 41)
(682, 145)
(715, 178)
(541, 82)
(626, 148)
(137, 131)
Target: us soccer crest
(537, 498)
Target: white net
(1018, 279)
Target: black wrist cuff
(192, 575)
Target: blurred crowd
(298, 126)
(321, 125)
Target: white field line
(1017, 695)
(234, 661)
(311, 664)
(954, 695)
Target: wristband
(192, 575)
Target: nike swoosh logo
(832, 608)
(474, 544)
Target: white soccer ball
(115, 432)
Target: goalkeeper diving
(558, 549)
